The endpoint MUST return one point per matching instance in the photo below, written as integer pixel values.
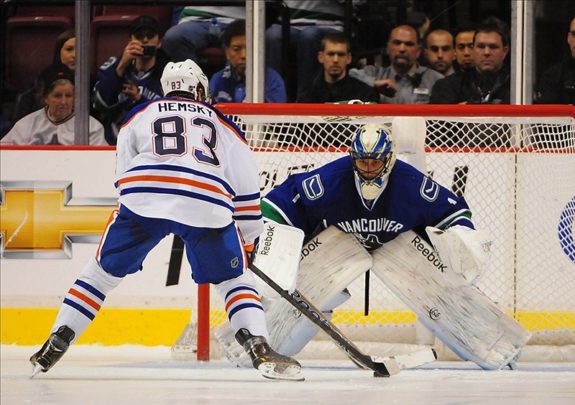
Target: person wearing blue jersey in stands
(132, 78)
(229, 84)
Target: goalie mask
(185, 79)
(373, 154)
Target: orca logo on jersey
(312, 187)
(235, 262)
(429, 189)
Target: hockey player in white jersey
(182, 168)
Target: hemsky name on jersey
(370, 225)
(178, 106)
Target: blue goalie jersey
(328, 196)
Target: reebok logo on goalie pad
(267, 241)
(311, 246)
(429, 254)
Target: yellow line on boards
(162, 327)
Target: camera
(149, 50)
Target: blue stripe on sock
(88, 287)
(79, 308)
(243, 306)
(241, 287)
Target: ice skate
(270, 363)
(52, 350)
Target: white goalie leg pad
(460, 315)
(463, 250)
(330, 262)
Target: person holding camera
(557, 85)
(132, 78)
(489, 81)
(404, 81)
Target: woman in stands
(54, 123)
(64, 57)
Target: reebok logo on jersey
(429, 254)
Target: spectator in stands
(199, 27)
(557, 84)
(404, 81)
(64, 56)
(132, 78)
(229, 84)
(438, 51)
(333, 84)
(54, 123)
(309, 22)
(489, 81)
(464, 48)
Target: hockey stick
(381, 369)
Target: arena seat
(43, 10)
(162, 13)
(109, 36)
(30, 47)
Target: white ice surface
(132, 375)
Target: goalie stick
(385, 367)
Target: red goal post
(515, 165)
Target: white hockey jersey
(37, 129)
(182, 160)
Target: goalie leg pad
(461, 316)
(293, 334)
(330, 262)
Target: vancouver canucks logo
(429, 189)
(312, 187)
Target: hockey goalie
(372, 211)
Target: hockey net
(515, 165)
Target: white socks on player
(243, 304)
(85, 297)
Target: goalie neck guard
(185, 79)
(373, 154)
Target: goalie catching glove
(463, 250)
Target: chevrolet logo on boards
(40, 219)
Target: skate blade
(37, 368)
(275, 371)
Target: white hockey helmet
(372, 142)
(184, 77)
